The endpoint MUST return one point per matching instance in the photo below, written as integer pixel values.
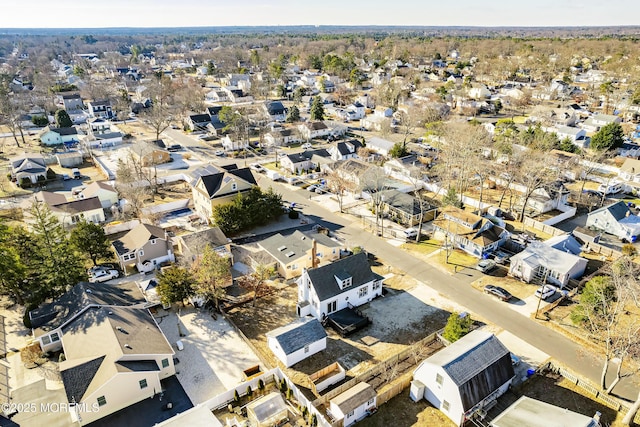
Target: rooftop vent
(128, 346)
(88, 291)
(110, 313)
(290, 254)
(282, 248)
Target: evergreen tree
(609, 137)
(293, 115)
(457, 326)
(89, 238)
(62, 119)
(175, 284)
(317, 109)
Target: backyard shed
(268, 410)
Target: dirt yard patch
(390, 332)
(401, 411)
(517, 288)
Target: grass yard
(458, 260)
(424, 247)
(498, 277)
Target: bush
(25, 182)
(458, 325)
(40, 120)
(293, 214)
(629, 250)
(62, 358)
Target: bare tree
(339, 184)
(213, 274)
(257, 281)
(533, 175)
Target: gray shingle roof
(298, 244)
(138, 237)
(354, 397)
(76, 380)
(213, 182)
(323, 278)
(298, 334)
(618, 210)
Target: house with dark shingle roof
(68, 212)
(145, 247)
(28, 166)
(275, 110)
(198, 121)
(345, 150)
(298, 340)
(56, 136)
(219, 188)
(294, 252)
(466, 376)
(114, 357)
(47, 320)
(191, 246)
(330, 288)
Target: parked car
(257, 167)
(501, 257)
(174, 147)
(410, 233)
(66, 177)
(76, 173)
(312, 187)
(219, 153)
(306, 146)
(486, 265)
(545, 291)
(103, 275)
(498, 292)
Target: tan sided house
(145, 247)
(219, 188)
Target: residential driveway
(214, 355)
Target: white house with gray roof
(616, 219)
(330, 288)
(466, 376)
(298, 340)
(353, 404)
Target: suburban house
(576, 135)
(114, 357)
(191, 246)
(296, 162)
(528, 412)
(554, 261)
(279, 137)
(105, 192)
(219, 188)
(630, 170)
(465, 377)
(47, 321)
(345, 283)
(298, 340)
(230, 144)
(31, 166)
(198, 122)
(597, 121)
(70, 159)
(545, 199)
(311, 130)
(69, 212)
(380, 146)
(145, 247)
(100, 109)
(295, 252)
(275, 111)
(354, 404)
(149, 154)
(345, 150)
(616, 219)
(406, 209)
(375, 122)
(57, 136)
(467, 231)
(70, 102)
(411, 168)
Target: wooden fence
(398, 387)
(380, 368)
(537, 225)
(593, 391)
(603, 250)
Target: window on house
(331, 307)
(362, 292)
(439, 379)
(234, 186)
(165, 363)
(294, 267)
(376, 285)
(153, 241)
(102, 401)
(141, 253)
(350, 414)
(55, 337)
(46, 340)
(370, 402)
(445, 406)
(306, 349)
(143, 383)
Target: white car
(306, 146)
(100, 276)
(545, 292)
(257, 167)
(219, 153)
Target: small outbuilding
(298, 340)
(528, 412)
(353, 404)
(267, 411)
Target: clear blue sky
(181, 13)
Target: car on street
(312, 187)
(321, 189)
(66, 177)
(219, 153)
(100, 276)
(174, 147)
(306, 146)
(546, 291)
(257, 167)
(486, 265)
(498, 292)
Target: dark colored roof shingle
(323, 278)
(76, 380)
(298, 334)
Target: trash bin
(530, 372)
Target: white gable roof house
(554, 260)
(298, 340)
(332, 290)
(465, 377)
(353, 405)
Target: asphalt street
(457, 288)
